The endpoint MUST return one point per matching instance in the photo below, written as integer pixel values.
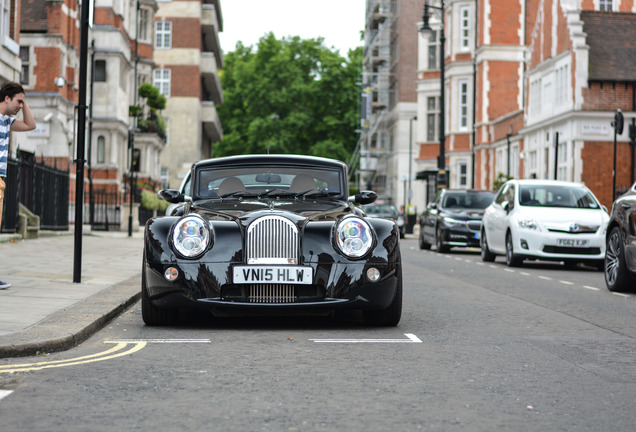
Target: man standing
(12, 100)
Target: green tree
(291, 96)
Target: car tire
(486, 255)
(389, 317)
(512, 260)
(424, 245)
(151, 314)
(439, 241)
(617, 276)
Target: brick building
(188, 56)
(532, 87)
(387, 143)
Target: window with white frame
(163, 34)
(24, 72)
(562, 85)
(433, 47)
(535, 96)
(5, 27)
(464, 28)
(562, 168)
(101, 149)
(462, 174)
(144, 20)
(606, 5)
(432, 118)
(463, 104)
(501, 161)
(532, 164)
(514, 161)
(161, 80)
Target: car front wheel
(423, 243)
(439, 241)
(151, 314)
(617, 277)
(389, 317)
(486, 255)
(512, 260)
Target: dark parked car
(620, 250)
(386, 211)
(453, 219)
(269, 234)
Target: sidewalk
(44, 310)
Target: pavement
(44, 310)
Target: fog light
(171, 274)
(524, 244)
(373, 274)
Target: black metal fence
(106, 210)
(42, 189)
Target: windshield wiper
(314, 192)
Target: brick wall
(598, 165)
(609, 96)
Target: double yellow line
(114, 352)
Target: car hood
(246, 210)
(463, 214)
(562, 218)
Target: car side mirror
(171, 195)
(433, 206)
(364, 197)
(506, 206)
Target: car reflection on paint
(453, 219)
(269, 234)
(386, 211)
(620, 251)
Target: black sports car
(453, 219)
(269, 234)
(620, 251)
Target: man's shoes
(4, 285)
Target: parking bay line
(411, 339)
(5, 393)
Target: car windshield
(467, 200)
(260, 181)
(381, 209)
(557, 196)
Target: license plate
(259, 274)
(572, 242)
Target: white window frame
(163, 34)
(432, 51)
(161, 80)
(464, 28)
(463, 104)
(462, 174)
(144, 22)
(606, 5)
(432, 113)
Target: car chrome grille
(473, 225)
(272, 240)
(272, 293)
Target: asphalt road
(480, 347)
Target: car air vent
(272, 240)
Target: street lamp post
(410, 157)
(426, 28)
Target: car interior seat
(302, 183)
(229, 185)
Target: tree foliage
(292, 96)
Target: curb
(69, 327)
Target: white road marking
(5, 393)
(591, 288)
(509, 270)
(411, 339)
(159, 341)
(545, 278)
(524, 273)
(622, 295)
(566, 282)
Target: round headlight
(191, 236)
(354, 237)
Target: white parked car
(547, 220)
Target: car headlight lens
(354, 237)
(453, 222)
(191, 236)
(528, 223)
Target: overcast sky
(339, 22)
